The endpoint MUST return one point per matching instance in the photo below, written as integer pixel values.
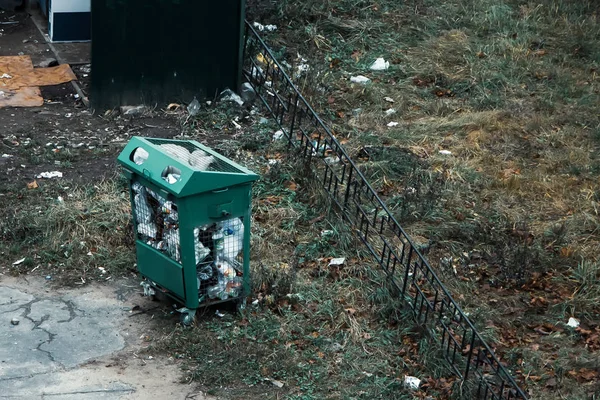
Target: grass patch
(510, 90)
(75, 235)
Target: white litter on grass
(219, 314)
(275, 382)
(331, 160)
(5, 76)
(273, 162)
(573, 322)
(337, 261)
(278, 135)
(380, 65)
(19, 261)
(445, 152)
(60, 199)
(391, 111)
(302, 66)
(326, 233)
(392, 124)
(1, 93)
(268, 28)
(411, 382)
(229, 95)
(50, 175)
(360, 79)
(6, 155)
(389, 99)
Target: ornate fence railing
(481, 373)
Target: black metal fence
(482, 375)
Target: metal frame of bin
(203, 195)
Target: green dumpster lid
(182, 167)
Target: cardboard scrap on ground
(19, 85)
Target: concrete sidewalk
(81, 344)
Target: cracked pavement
(79, 344)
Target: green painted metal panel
(161, 269)
(160, 51)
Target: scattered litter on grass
(573, 322)
(273, 162)
(331, 160)
(133, 110)
(380, 65)
(275, 382)
(48, 277)
(7, 155)
(411, 382)
(18, 262)
(392, 124)
(445, 152)
(60, 199)
(219, 314)
(278, 135)
(255, 302)
(302, 66)
(193, 108)
(229, 95)
(389, 99)
(326, 233)
(262, 28)
(391, 111)
(367, 374)
(50, 175)
(360, 79)
(247, 92)
(337, 261)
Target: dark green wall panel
(161, 51)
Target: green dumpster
(164, 51)
(191, 217)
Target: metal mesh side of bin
(219, 259)
(192, 155)
(157, 221)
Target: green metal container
(191, 216)
(163, 51)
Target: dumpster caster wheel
(187, 317)
(240, 305)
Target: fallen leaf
(291, 185)
(481, 54)
(350, 311)
(32, 185)
(173, 106)
(566, 252)
(356, 55)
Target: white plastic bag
(233, 230)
